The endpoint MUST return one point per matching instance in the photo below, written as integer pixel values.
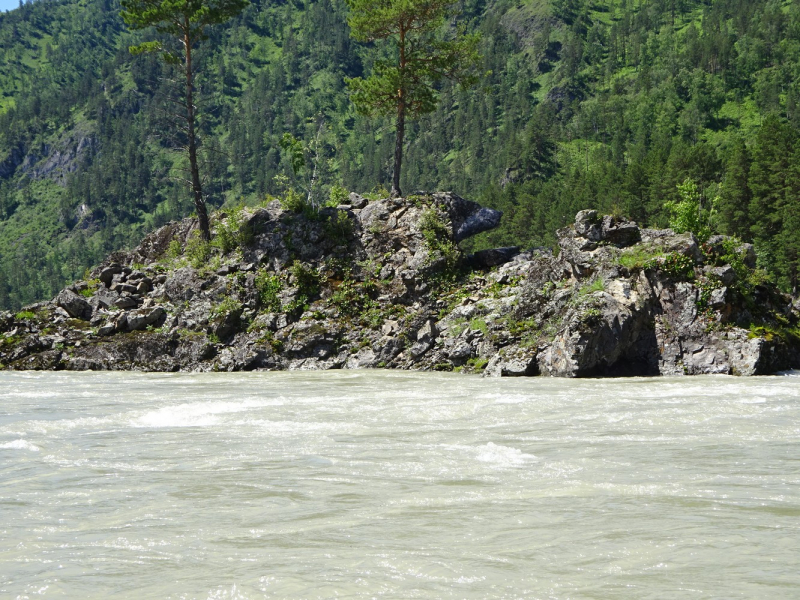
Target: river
(398, 485)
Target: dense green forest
(606, 104)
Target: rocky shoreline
(384, 284)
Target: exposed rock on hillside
(384, 284)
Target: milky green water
(398, 485)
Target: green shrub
(379, 192)
(294, 201)
(198, 251)
(477, 364)
(478, 324)
(352, 298)
(637, 257)
(308, 282)
(338, 195)
(688, 214)
(790, 335)
(268, 287)
(25, 315)
(269, 338)
(339, 229)
(91, 288)
(439, 244)
(233, 232)
(598, 285)
(673, 264)
(306, 278)
(227, 306)
(174, 250)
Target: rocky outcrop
(382, 283)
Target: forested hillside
(607, 104)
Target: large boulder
(607, 333)
(138, 320)
(485, 259)
(76, 306)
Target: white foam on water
(503, 455)
(19, 445)
(511, 399)
(300, 486)
(201, 414)
(793, 373)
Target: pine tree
(735, 194)
(186, 21)
(769, 182)
(404, 86)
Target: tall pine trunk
(398, 149)
(197, 189)
(400, 125)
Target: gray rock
(669, 241)
(144, 286)
(718, 296)
(363, 359)
(76, 306)
(357, 201)
(589, 225)
(107, 274)
(107, 329)
(428, 331)
(126, 302)
(121, 288)
(420, 348)
(725, 274)
(141, 319)
(514, 363)
(620, 232)
(482, 220)
(485, 259)
(460, 351)
(390, 327)
(225, 326)
(104, 298)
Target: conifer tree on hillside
(184, 20)
(405, 85)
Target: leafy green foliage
(338, 195)
(295, 151)
(352, 298)
(174, 250)
(598, 285)
(233, 232)
(638, 257)
(339, 229)
(198, 250)
(227, 306)
(268, 286)
(406, 83)
(479, 324)
(688, 213)
(294, 201)
(440, 246)
(673, 264)
(307, 279)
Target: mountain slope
(607, 104)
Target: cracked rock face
(362, 286)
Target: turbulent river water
(398, 485)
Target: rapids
(398, 485)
